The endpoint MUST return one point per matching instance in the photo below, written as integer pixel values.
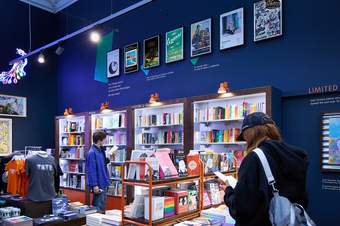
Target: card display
(174, 47)
(151, 54)
(131, 59)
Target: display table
(80, 221)
(30, 208)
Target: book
(166, 166)
(157, 208)
(181, 200)
(169, 206)
(193, 164)
(230, 179)
(193, 200)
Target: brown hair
(257, 134)
(98, 136)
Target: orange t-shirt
(13, 168)
(23, 191)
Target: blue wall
(39, 86)
(305, 56)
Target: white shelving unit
(115, 126)
(159, 126)
(217, 122)
(72, 152)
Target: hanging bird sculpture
(17, 71)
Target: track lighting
(41, 58)
(95, 36)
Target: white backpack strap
(266, 167)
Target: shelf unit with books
(72, 142)
(217, 118)
(153, 184)
(115, 124)
(161, 125)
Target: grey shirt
(41, 171)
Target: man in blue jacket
(97, 176)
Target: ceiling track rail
(84, 29)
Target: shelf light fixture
(68, 112)
(154, 99)
(224, 90)
(105, 108)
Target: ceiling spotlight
(41, 58)
(95, 36)
(59, 50)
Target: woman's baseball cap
(254, 119)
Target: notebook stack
(112, 218)
(18, 221)
(94, 219)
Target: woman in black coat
(248, 202)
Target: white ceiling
(52, 6)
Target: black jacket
(248, 202)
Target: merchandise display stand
(154, 184)
(72, 143)
(115, 123)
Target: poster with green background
(174, 49)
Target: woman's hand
(223, 184)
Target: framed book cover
(13, 106)
(330, 142)
(112, 63)
(174, 46)
(267, 20)
(232, 29)
(131, 59)
(5, 137)
(200, 38)
(151, 53)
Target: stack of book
(94, 219)
(18, 221)
(228, 112)
(161, 137)
(112, 218)
(160, 119)
(73, 126)
(117, 120)
(218, 136)
(117, 138)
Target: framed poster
(200, 38)
(5, 137)
(131, 60)
(13, 106)
(112, 65)
(232, 29)
(174, 47)
(151, 56)
(330, 142)
(267, 20)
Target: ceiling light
(41, 58)
(95, 36)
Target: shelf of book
(221, 120)
(159, 126)
(213, 176)
(153, 184)
(222, 143)
(170, 144)
(213, 206)
(72, 142)
(164, 182)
